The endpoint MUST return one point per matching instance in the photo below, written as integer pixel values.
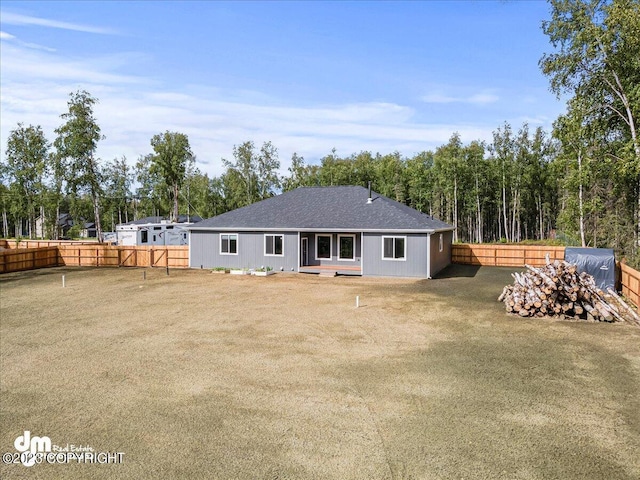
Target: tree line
(578, 183)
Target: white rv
(153, 231)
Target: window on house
(229, 243)
(273, 244)
(394, 248)
(144, 236)
(323, 246)
(157, 228)
(346, 246)
(440, 243)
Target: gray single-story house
(346, 230)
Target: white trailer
(142, 232)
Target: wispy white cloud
(7, 37)
(35, 87)
(483, 98)
(10, 18)
(20, 63)
(214, 125)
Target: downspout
(189, 248)
(369, 202)
(362, 253)
(428, 256)
(299, 261)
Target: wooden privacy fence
(28, 259)
(519, 255)
(630, 283)
(55, 253)
(123, 256)
(13, 244)
(504, 255)
(93, 255)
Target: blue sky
(307, 76)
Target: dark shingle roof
(188, 219)
(145, 220)
(325, 208)
(181, 219)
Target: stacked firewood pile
(557, 289)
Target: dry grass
(198, 375)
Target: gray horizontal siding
(440, 259)
(415, 264)
(205, 251)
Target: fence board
(124, 256)
(92, 254)
(13, 244)
(28, 259)
(630, 283)
(504, 255)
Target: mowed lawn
(198, 375)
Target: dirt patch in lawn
(196, 375)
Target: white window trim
(237, 244)
(265, 245)
(440, 243)
(330, 235)
(404, 259)
(354, 248)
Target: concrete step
(328, 273)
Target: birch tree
(267, 166)
(118, 181)
(241, 177)
(170, 160)
(27, 158)
(76, 146)
(596, 60)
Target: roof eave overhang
(320, 229)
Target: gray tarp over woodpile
(600, 263)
